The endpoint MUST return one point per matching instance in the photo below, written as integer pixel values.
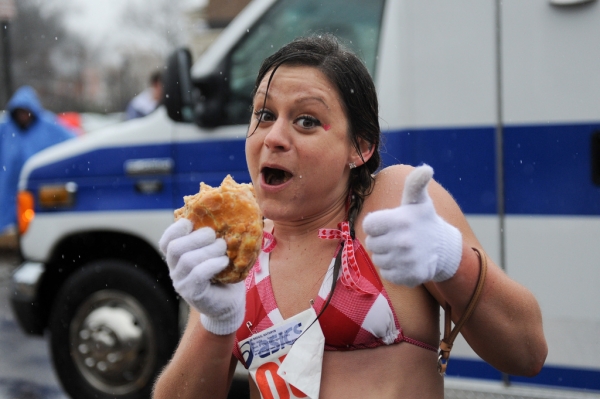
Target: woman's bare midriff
(407, 372)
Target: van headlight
(57, 195)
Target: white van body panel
(147, 225)
(557, 259)
(550, 62)
(422, 77)
(548, 50)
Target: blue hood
(25, 97)
(17, 145)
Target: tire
(112, 329)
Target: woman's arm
(202, 366)
(203, 363)
(506, 327)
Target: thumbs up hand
(412, 244)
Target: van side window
(356, 22)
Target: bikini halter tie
(350, 276)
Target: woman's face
(298, 155)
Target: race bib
(285, 361)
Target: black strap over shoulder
(336, 271)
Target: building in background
(206, 20)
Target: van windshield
(355, 22)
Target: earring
(352, 165)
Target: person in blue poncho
(27, 128)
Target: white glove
(412, 244)
(194, 257)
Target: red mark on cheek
(326, 127)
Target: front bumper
(24, 296)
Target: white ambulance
(501, 97)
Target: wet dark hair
(356, 89)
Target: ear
(366, 151)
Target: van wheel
(112, 329)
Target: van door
(551, 114)
(208, 154)
(437, 85)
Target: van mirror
(201, 101)
(178, 87)
(209, 110)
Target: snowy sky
(95, 18)
(99, 17)
(103, 26)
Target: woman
(312, 149)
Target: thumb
(415, 186)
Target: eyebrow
(299, 100)
(312, 98)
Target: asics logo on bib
(270, 341)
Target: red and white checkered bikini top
(359, 315)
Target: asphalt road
(25, 369)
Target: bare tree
(72, 72)
(46, 57)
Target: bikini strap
(336, 271)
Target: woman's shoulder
(393, 174)
(388, 188)
(389, 185)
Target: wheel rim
(113, 342)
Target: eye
(307, 122)
(263, 115)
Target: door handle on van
(148, 166)
(148, 186)
(595, 157)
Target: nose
(278, 138)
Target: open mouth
(275, 177)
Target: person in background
(26, 129)
(148, 100)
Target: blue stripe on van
(215, 159)
(103, 186)
(463, 160)
(547, 169)
(553, 376)
(101, 181)
(105, 162)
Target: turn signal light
(25, 210)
